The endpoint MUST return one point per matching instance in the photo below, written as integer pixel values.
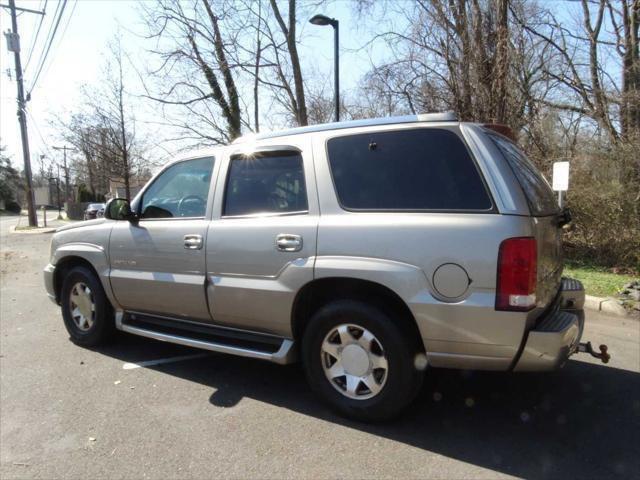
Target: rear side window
(421, 169)
(536, 189)
(271, 183)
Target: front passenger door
(158, 263)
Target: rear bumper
(557, 335)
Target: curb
(33, 231)
(605, 305)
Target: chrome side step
(251, 345)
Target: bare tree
(296, 93)
(625, 18)
(468, 56)
(196, 73)
(582, 83)
(103, 128)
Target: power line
(35, 39)
(64, 30)
(48, 47)
(55, 14)
(44, 143)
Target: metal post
(336, 67)
(58, 190)
(57, 179)
(560, 198)
(66, 177)
(22, 119)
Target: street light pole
(323, 20)
(336, 68)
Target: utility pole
(13, 43)
(64, 149)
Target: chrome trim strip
(265, 215)
(64, 247)
(212, 276)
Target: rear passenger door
(261, 245)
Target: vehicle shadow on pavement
(580, 422)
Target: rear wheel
(87, 313)
(361, 360)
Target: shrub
(604, 197)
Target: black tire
(398, 341)
(103, 328)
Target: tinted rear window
(422, 169)
(537, 190)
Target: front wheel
(87, 313)
(361, 360)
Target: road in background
(71, 412)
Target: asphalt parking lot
(134, 410)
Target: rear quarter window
(407, 170)
(540, 197)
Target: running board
(216, 339)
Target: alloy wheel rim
(82, 306)
(354, 361)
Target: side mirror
(118, 209)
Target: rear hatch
(545, 214)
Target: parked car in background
(369, 249)
(94, 210)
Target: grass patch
(597, 281)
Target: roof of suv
(370, 122)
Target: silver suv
(367, 249)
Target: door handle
(193, 242)
(286, 242)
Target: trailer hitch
(588, 348)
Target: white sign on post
(561, 176)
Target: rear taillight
(517, 268)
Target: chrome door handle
(193, 242)
(286, 242)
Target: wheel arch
(319, 292)
(66, 264)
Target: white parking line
(149, 363)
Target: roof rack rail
(370, 122)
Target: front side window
(418, 169)
(181, 191)
(265, 183)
